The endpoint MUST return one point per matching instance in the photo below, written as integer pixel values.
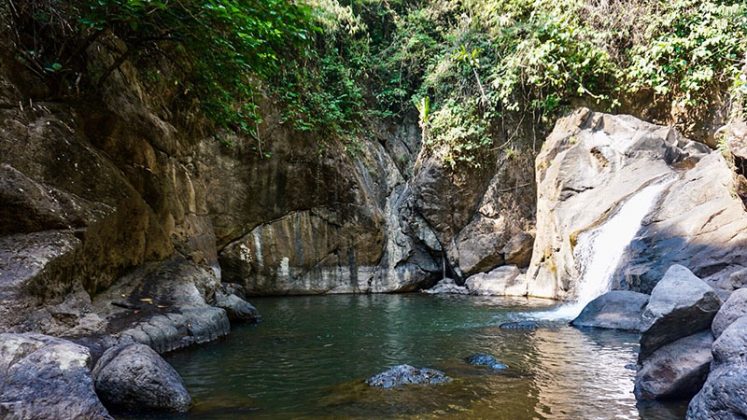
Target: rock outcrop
(592, 163)
(618, 309)
(407, 375)
(506, 280)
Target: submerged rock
(677, 369)
(520, 325)
(43, 377)
(407, 375)
(236, 308)
(447, 286)
(734, 308)
(135, 378)
(618, 309)
(484, 359)
(681, 304)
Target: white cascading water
(599, 252)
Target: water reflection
(308, 359)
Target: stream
(309, 357)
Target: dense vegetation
(468, 66)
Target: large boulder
(46, 378)
(447, 286)
(236, 308)
(133, 377)
(734, 308)
(618, 309)
(681, 304)
(506, 280)
(407, 375)
(724, 394)
(676, 370)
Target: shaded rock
(135, 378)
(676, 370)
(723, 396)
(618, 309)
(518, 250)
(407, 375)
(236, 308)
(502, 281)
(680, 305)
(484, 359)
(46, 378)
(447, 286)
(731, 346)
(734, 308)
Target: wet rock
(680, 305)
(520, 325)
(618, 309)
(236, 308)
(484, 359)
(447, 286)
(135, 378)
(676, 370)
(734, 308)
(407, 375)
(46, 378)
(502, 281)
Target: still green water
(309, 356)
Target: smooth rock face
(676, 370)
(135, 378)
(502, 281)
(46, 378)
(724, 395)
(618, 309)
(592, 162)
(483, 359)
(447, 286)
(734, 308)
(407, 375)
(680, 305)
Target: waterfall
(600, 251)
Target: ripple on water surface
(309, 357)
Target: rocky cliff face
(592, 163)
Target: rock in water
(681, 304)
(134, 377)
(677, 369)
(236, 308)
(734, 308)
(483, 359)
(724, 394)
(618, 309)
(447, 286)
(520, 325)
(407, 375)
(502, 281)
(43, 377)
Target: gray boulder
(502, 281)
(618, 309)
(407, 375)
(680, 305)
(134, 377)
(43, 377)
(236, 308)
(734, 308)
(677, 369)
(724, 395)
(518, 249)
(447, 286)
